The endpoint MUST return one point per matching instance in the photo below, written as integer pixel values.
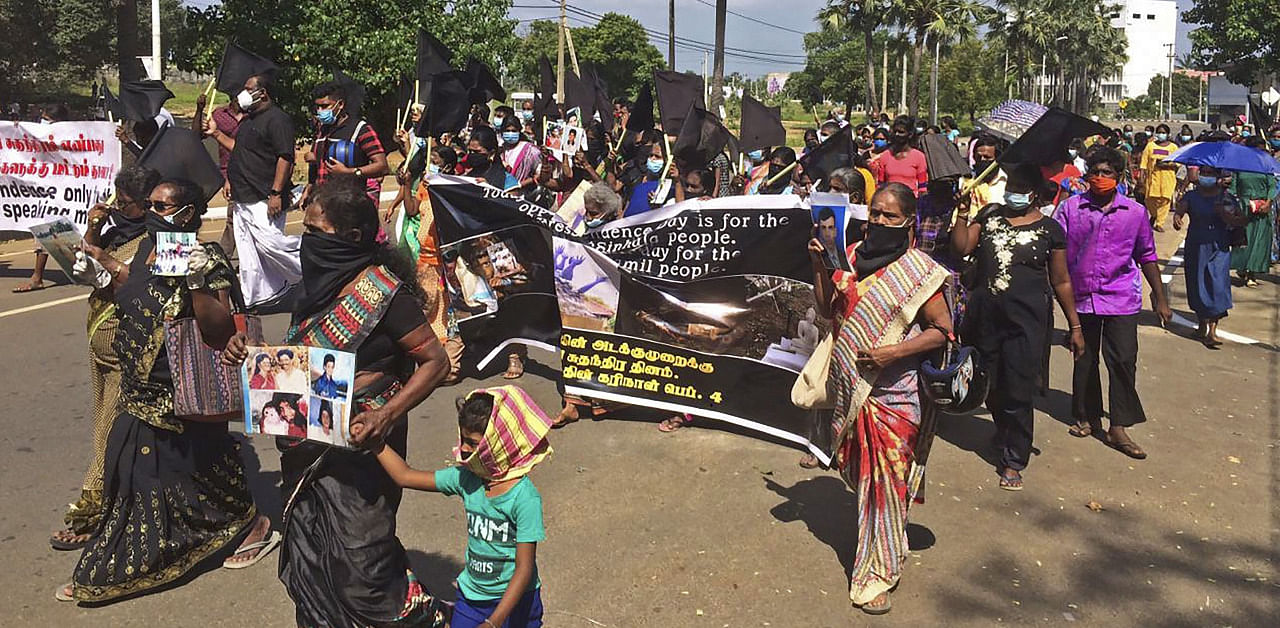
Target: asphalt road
(709, 528)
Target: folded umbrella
(238, 65)
(1226, 156)
(1046, 141)
(178, 153)
(138, 101)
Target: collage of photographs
(299, 392)
(484, 270)
(565, 137)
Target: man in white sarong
(259, 171)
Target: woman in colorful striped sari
(887, 314)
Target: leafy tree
(831, 71)
(1186, 91)
(617, 46)
(863, 17)
(966, 84)
(1238, 35)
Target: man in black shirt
(262, 154)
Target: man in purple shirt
(1109, 240)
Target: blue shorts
(527, 614)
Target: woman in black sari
(341, 561)
(175, 490)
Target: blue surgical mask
(595, 222)
(1184, 138)
(326, 116)
(1017, 201)
(510, 137)
(879, 143)
(1162, 137)
(527, 115)
(497, 122)
(1274, 142)
(1245, 134)
(433, 168)
(1206, 181)
(655, 165)
(756, 155)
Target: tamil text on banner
(52, 171)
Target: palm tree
(864, 16)
(1023, 26)
(953, 21)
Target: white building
(1150, 27)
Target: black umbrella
(178, 153)
(761, 125)
(138, 101)
(702, 137)
(484, 85)
(677, 92)
(238, 65)
(836, 152)
(1046, 141)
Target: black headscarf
(329, 263)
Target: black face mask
(981, 166)
(811, 144)
(880, 246)
(478, 162)
(329, 262)
(124, 228)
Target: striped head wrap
(515, 440)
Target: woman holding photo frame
(341, 561)
(175, 490)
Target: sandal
(1084, 429)
(1011, 480)
(871, 608)
(674, 423)
(264, 547)
(65, 593)
(1126, 447)
(809, 461)
(564, 418)
(515, 368)
(66, 540)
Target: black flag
(433, 57)
(178, 153)
(1047, 140)
(761, 125)
(355, 92)
(603, 105)
(677, 92)
(943, 158)
(836, 152)
(484, 85)
(701, 138)
(238, 65)
(641, 118)
(449, 106)
(579, 93)
(138, 101)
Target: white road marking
(45, 305)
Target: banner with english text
(704, 307)
(52, 171)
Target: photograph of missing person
(276, 413)
(327, 422)
(586, 287)
(573, 117)
(553, 136)
(331, 373)
(830, 214)
(484, 270)
(750, 316)
(278, 368)
(173, 250)
(60, 240)
(575, 138)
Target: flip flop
(1127, 447)
(60, 593)
(877, 609)
(265, 546)
(809, 461)
(518, 365)
(1011, 483)
(674, 423)
(1083, 429)
(67, 546)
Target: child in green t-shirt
(502, 436)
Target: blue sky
(773, 43)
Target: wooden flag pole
(208, 99)
(573, 54)
(408, 111)
(666, 168)
(780, 174)
(416, 86)
(968, 187)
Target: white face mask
(245, 99)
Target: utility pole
(717, 71)
(671, 34)
(902, 101)
(933, 80)
(157, 67)
(884, 79)
(705, 56)
(1170, 107)
(564, 24)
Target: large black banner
(703, 307)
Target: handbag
(205, 389)
(810, 390)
